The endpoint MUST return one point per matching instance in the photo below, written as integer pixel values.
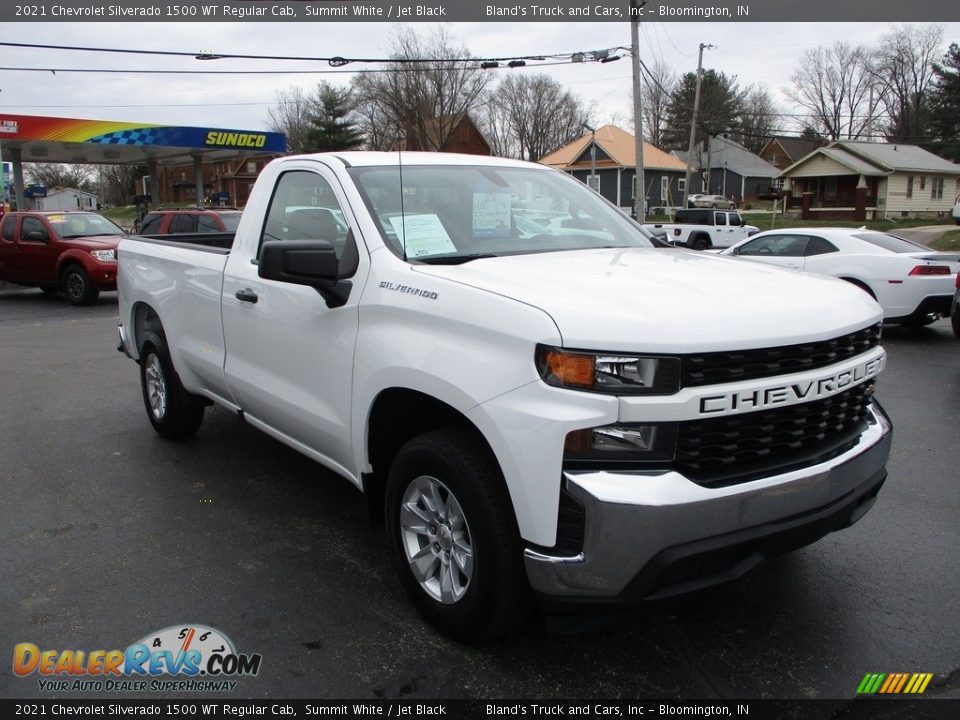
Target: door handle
(247, 295)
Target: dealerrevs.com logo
(181, 658)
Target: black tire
(495, 596)
(76, 285)
(700, 243)
(955, 321)
(174, 413)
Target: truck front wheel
(77, 286)
(173, 412)
(454, 538)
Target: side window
(32, 225)
(719, 218)
(183, 223)
(819, 246)
(151, 225)
(735, 220)
(6, 229)
(775, 246)
(304, 207)
(207, 224)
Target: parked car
(913, 284)
(190, 220)
(713, 201)
(701, 228)
(527, 404)
(955, 310)
(71, 252)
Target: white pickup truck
(527, 391)
(703, 228)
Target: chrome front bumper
(648, 536)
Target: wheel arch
(144, 319)
(397, 415)
(859, 283)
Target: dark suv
(190, 220)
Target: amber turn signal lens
(571, 369)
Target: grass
(947, 241)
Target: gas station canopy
(30, 138)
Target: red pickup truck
(71, 252)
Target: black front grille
(737, 448)
(724, 367)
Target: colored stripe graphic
(894, 683)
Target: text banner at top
(480, 11)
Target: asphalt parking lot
(109, 532)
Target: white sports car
(913, 284)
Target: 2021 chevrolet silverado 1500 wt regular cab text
(528, 391)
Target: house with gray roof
(723, 167)
(855, 180)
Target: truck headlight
(609, 373)
(105, 255)
(622, 442)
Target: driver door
(289, 361)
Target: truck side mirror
(301, 262)
(305, 262)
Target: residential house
(857, 180)
(610, 153)
(724, 167)
(782, 152)
(60, 198)
(460, 132)
(233, 176)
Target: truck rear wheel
(76, 285)
(453, 535)
(173, 412)
(700, 243)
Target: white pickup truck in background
(527, 392)
(703, 228)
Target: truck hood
(639, 299)
(96, 242)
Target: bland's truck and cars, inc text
(529, 393)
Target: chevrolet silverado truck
(70, 252)
(703, 228)
(508, 391)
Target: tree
(834, 85)
(760, 118)
(53, 175)
(118, 183)
(291, 116)
(330, 126)
(420, 100)
(902, 67)
(658, 84)
(528, 116)
(945, 105)
(721, 107)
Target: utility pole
(693, 121)
(640, 193)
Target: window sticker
(422, 235)
(491, 214)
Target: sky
(763, 53)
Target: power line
(335, 60)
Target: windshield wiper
(454, 259)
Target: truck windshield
(457, 213)
(73, 225)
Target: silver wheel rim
(436, 539)
(75, 284)
(156, 387)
